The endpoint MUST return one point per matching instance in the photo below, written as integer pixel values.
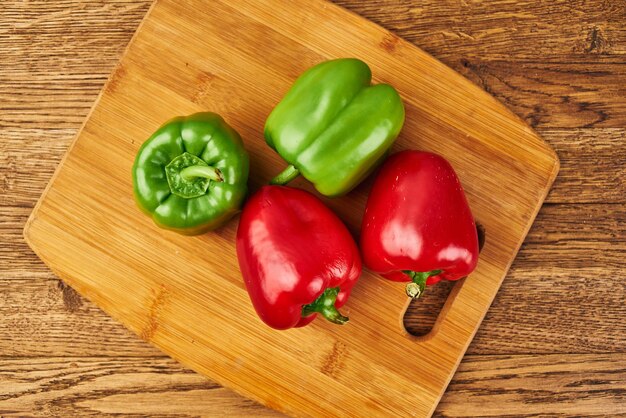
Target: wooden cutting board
(186, 296)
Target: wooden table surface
(554, 341)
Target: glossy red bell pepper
(418, 226)
(296, 257)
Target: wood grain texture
(44, 317)
(86, 226)
(57, 88)
(132, 386)
(549, 385)
(67, 49)
(504, 29)
(593, 164)
(591, 96)
(495, 386)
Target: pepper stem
(205, 171)
(286, 176)
(416, 287)
(325, 304)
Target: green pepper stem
(416, 287)
(286, 176)
(325, 304)
(205, 171)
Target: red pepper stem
(416, 287)
(286, 176)
(325, 305)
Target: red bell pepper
(296, 257)
(418, 226)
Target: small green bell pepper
(191, 175)
(333, 126)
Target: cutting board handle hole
(421, 315)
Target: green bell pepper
(191, 175)
(333, 126)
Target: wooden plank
(96, 386)
(563, 79)
(552, 310)
(495, 30)
(43, 317)
(58, 56)
(16, 258)
(521, 386)
(571, 240)
(503, 29)
(593, 165)
(28, 158)
(538, 385)
(555, 95)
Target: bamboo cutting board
(186, 296)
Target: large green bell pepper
(190, 175)
(333, 126)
